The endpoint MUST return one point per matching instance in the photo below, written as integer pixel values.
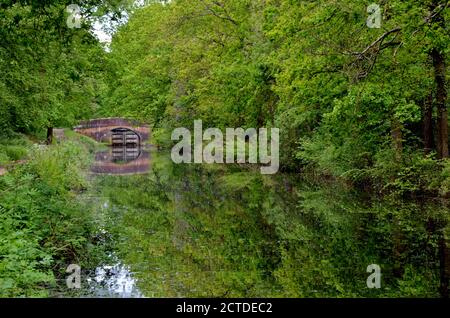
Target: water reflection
(211, 231)
(113, 281)
(122, 161)
(217, 231)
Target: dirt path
(58, 133)
(2, 171)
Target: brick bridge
(114, 130)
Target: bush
(16, 152)
(3, 158)
(42, 222)
(444, 185)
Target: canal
(171, 230)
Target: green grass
(44, 224)
(13, 148)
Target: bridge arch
(102, 129)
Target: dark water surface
(221, 231)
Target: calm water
(221, 231)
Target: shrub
(43, 224)
(16, 152)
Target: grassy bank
(44, 224)
(13, 148)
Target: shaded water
(222, 231)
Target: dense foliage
(50, 73)
(365, 104)
(44, 224)
(51, 76)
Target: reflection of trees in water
(189, 231)
(444, 257)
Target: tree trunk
(427, 125)
(438, 59)
(49, 135)
(441, 99)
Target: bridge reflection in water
(122, 160)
